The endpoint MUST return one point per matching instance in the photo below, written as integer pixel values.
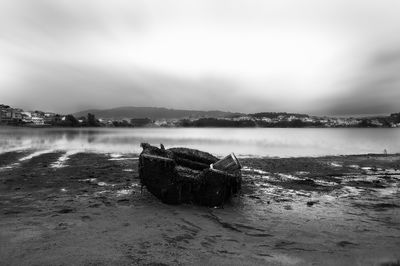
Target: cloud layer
(307, 56)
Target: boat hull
(167, 176)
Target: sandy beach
(63, 208)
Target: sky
(337, 57)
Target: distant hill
(276, 114)
(152, 113)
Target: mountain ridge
(128, 112)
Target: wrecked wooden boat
(182, 175)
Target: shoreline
(242, 157)
(88, 208)
(174, 127)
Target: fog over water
(244, 142)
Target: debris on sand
(312, 202)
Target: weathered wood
(229, 163)
(183, 176)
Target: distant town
(13, 116)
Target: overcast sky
(311, 56)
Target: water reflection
(249, 141)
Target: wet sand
(59, 208)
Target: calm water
(283, 142)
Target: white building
(39, 121)
(28, 114)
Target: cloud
(64, 87)
(234, 55)
(375, 90)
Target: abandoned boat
(182, 175)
